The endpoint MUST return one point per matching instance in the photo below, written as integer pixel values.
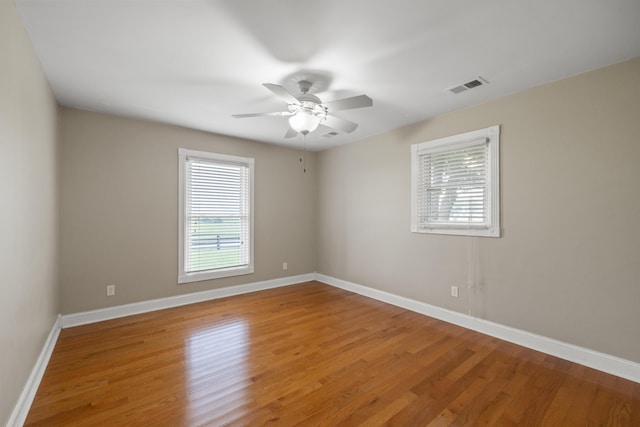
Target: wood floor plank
(311, 354)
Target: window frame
(188, 277)
(490, 136)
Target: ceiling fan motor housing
(310, 103)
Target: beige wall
(28, 211)
(567, 264)
(119, 209)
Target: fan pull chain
(303, 158)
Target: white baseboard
(21, 410)
(601, 361)
(83, 318)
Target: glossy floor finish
(314, 355)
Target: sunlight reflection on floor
(216, 369)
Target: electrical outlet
(284, 265)
(111, 290)
(454, 291)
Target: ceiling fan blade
(276, 113)
(282, 93)
(290, 133)
(359, 101)
(339, 124)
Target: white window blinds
(454, 184)
(216, 216)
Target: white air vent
(469, 85)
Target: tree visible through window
(455, 185)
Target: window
(455, 184)
(216, 216)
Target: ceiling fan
(306, 111)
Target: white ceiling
(194, 63)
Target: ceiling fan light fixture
(304, 121)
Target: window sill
(484, 232)
(214, 274)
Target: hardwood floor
(314, 355)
